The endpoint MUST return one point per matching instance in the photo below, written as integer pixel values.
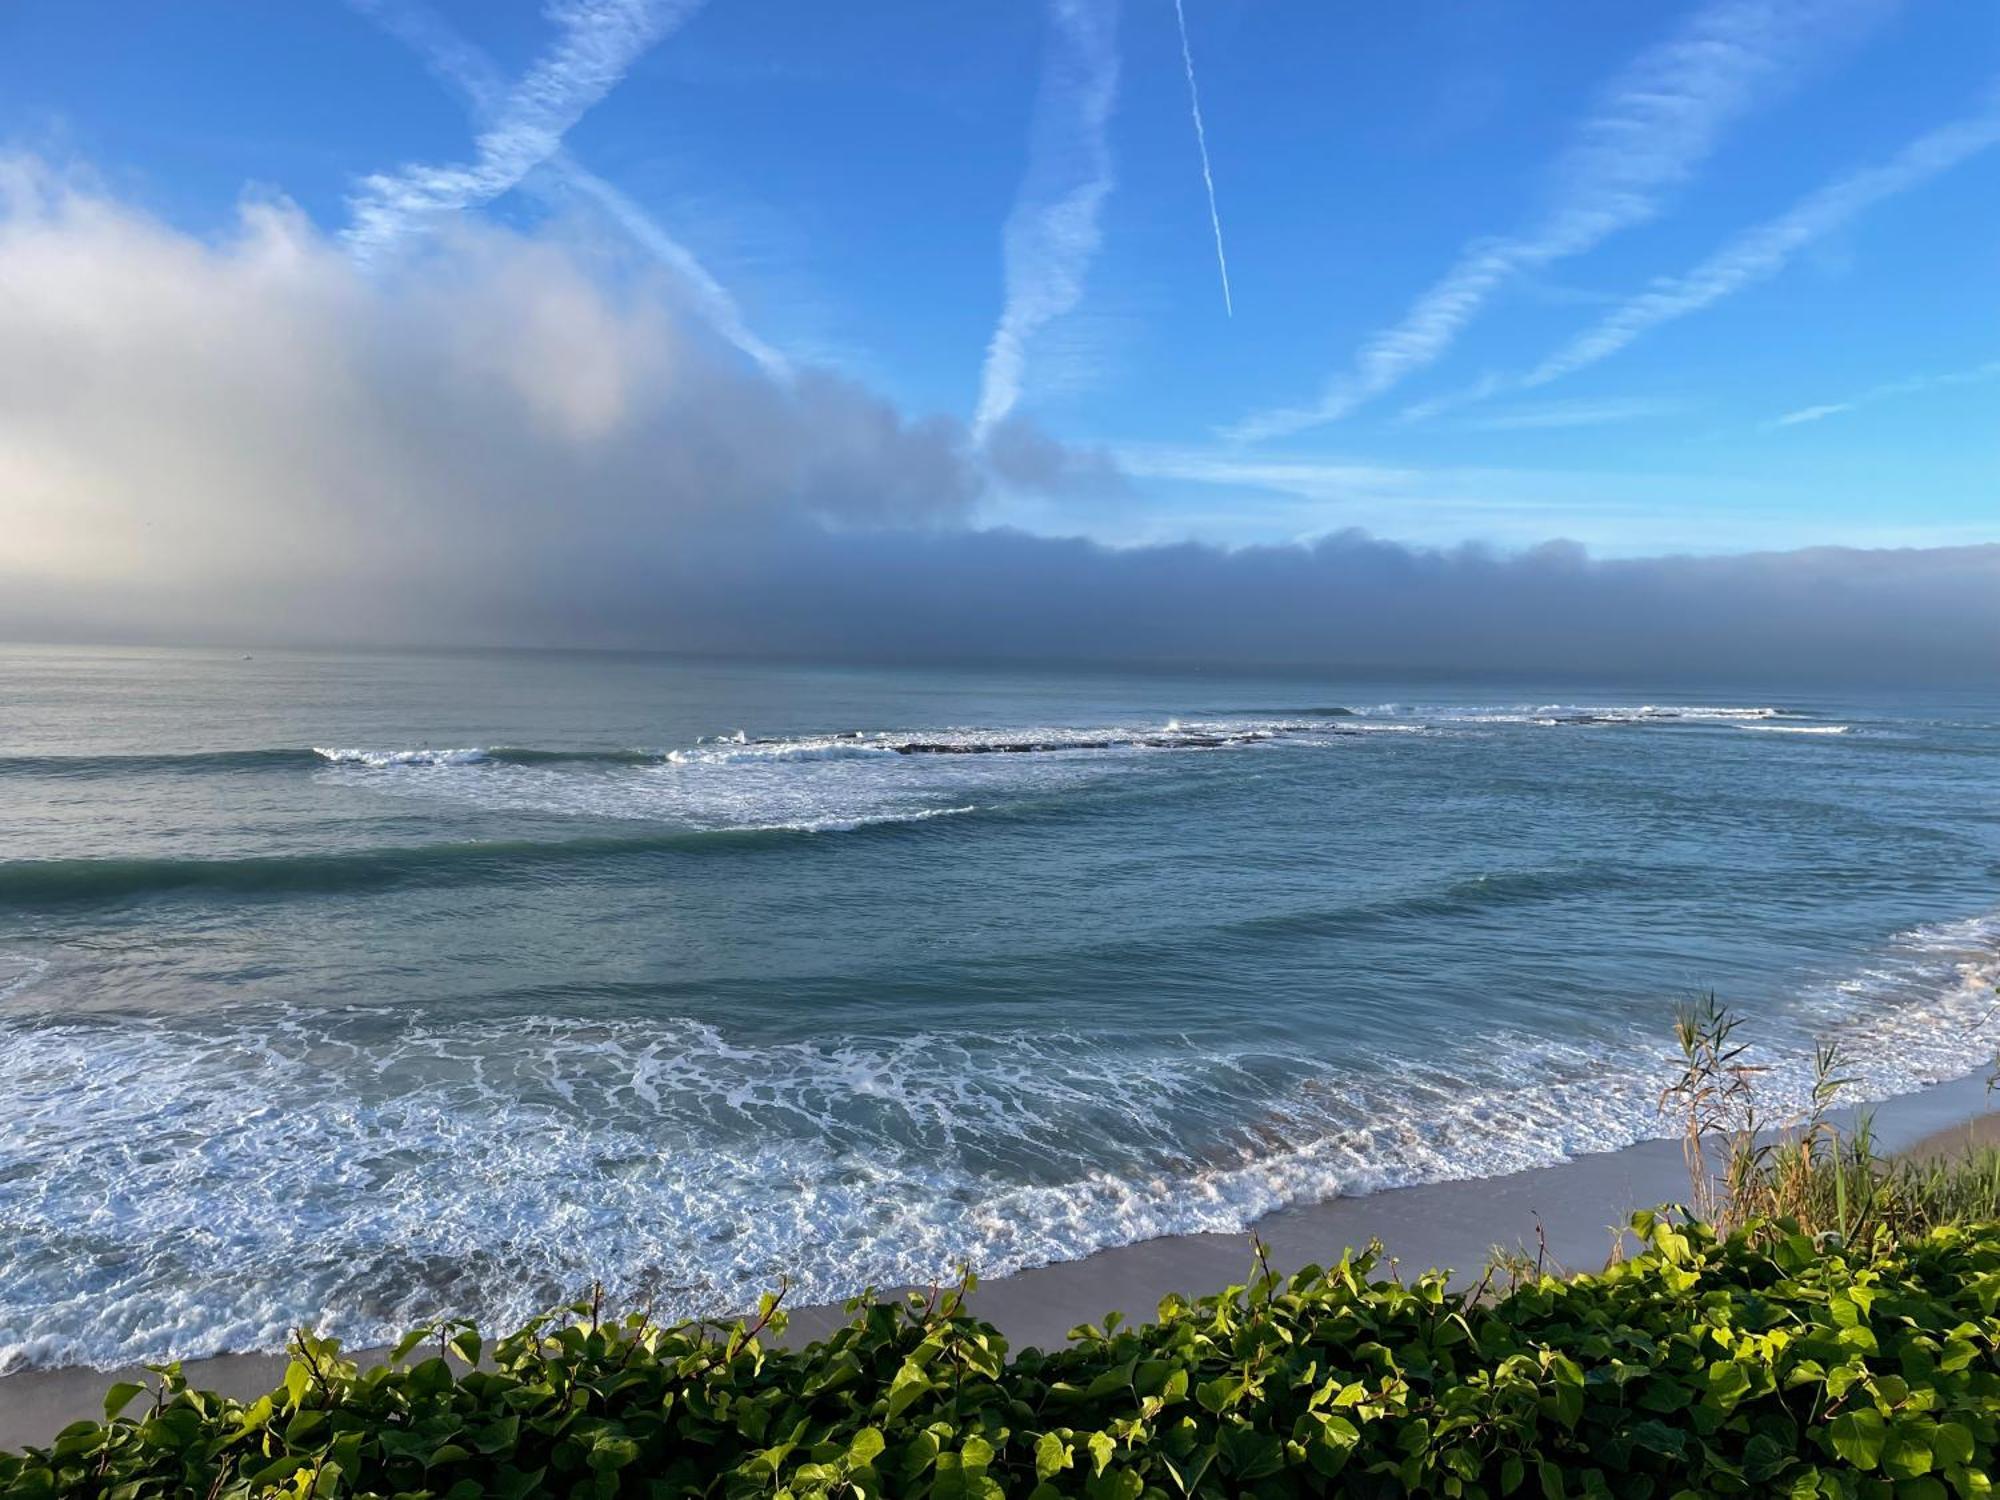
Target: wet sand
(1566, 1212)
(1961, 1139)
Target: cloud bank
(512, 440)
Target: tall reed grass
(1746, 1169)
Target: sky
(515, 320)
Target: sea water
(352, 989)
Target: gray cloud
(1022, 455)
(512, 441)
(1354, 602)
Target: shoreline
(1572, 1206)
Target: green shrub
(1761, 1363)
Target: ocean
(355, 988)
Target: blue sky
(1660, 231)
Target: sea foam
(185, 1185)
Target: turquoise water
(376, 985)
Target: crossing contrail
(469, 72)
(1207, 177)
(596, 46)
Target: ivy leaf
(1102, 1446)
(1249, 1455)
(865, 1448)
(1906, 1454)
(119, 1397)
(1858, 1436)
(1728, 1383)
(910, 1382)
(1052, 1456)
(1952, 1443)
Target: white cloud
(258, 414)
(1913, 385)
(1229, 496)
(1232, 497)
(1813, 413)
(1053, 233)
(1591, 412)
(1652, 128)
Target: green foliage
(1844, 1187)
(1769, 1362)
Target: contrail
(1207, 177)
(1647, 137)
(469, 72)
(597, 44)
(1053, 234)
(1765, 250)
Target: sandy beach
(1566, 1211)
(1961, 1137)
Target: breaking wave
(1217, 730)
(493, 1167)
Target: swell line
(185, 763)
(65, 882)
(1458, 898)
(212, 762)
